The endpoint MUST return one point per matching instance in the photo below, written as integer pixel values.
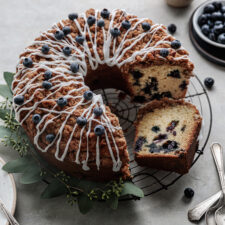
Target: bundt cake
(53, 100)
(166, 135)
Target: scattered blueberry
(221, 38)
(66, 30)
(81, 121)
(19, 99)
(47, 75)
(202, 19)
(209, 8)
(67, 50)
(175, 44)
(36, 118)
(88, 95)
(205, 29)
(218, 5)
(115, 32)
(50, 138)
(146, 26)
(209, 81)
(79, 39)
(98, 111)
(91, 20)
(74, 67)
(189, 193)
(99, 130)
(105, 13)
(172, 28)
(46, 85)
(126, 24)
(101, 23)
(59, 35)
(45, 49)
(73, 16)
(27, 62)
(164, 52)
(62, 102)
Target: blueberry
(67, 50)
(74, 67)
(79, 39)
(88, 95)
(27, 62)
(164, 52)
(101, 23)
(209, 16)
(202, 19)
(218, 5)
(45, 49)
(126, 24)
(218, 29)
(62, 102)
(212, 36)
(217, 16)
(218, 22)
(73, 16)
(155, 129)
(47, 75)
(205, 29)
(175, 44)
(50, 137)
(210, 23)
(115, 32)
(209, 8)
(46, 85)
(66, 30)
(19, 99)
(172, 28)
(189, 193)
(146, 26)
(105, 13)
(221, 38)
(209, 81)
(91, 20)
(223, 9)
(140, 141)
(59, 35)
(98, 111)
(99, 130)
(36, 118)
(81, 121)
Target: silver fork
(8, 215)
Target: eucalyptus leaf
(31, 175)
(3, 113)
(4, 132)
(54, 189)
(131, 189)
(18, 165)
(5, 91)
(113, 202)
(84, 203)
(9, 79)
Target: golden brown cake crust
(180, 163)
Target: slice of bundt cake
(166, 135)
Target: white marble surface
(21, 22)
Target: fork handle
(217, 153)
(9, 216)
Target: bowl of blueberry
(209, 23)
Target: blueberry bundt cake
(166, 135)
(53, 100)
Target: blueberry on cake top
(96, 49)
(166, 135)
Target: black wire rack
(152, 180)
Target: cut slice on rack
(166, 135)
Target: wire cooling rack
(152, 180)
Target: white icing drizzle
(60, 65)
